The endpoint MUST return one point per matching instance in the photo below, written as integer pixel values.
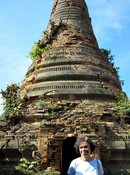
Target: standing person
(85, 164)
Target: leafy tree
(110, 59)
(109, 56)
(11, 101)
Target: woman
(85, 164)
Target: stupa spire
(74, 12)
(73, 66)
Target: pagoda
(72, 65)
(69, 89)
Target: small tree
(11, 101)
(110, 59)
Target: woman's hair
(84, 139)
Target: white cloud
(108, 15)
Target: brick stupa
(70, 89)
(72, 65)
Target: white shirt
(80, 167)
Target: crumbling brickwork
(70, 89)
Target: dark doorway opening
(68, 153)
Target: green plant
(39, 173)
(41, 103)
(24, 170)
(87, 112)
(11, 101)
(53, 106)
(45, 120)
(110, 59)
(123, 102)
(30, 167)
(37, 50)
(23, 165)
(52, 55)
(108, 55)
(51, 171)
(53, 113)
(41, 46)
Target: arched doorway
(68, 153)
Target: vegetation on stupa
(41, 46)
(13, 105)
(12, 102)
(123, 103)
(44, 45)
(110, 59)
(27, 168)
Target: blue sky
(22, 21)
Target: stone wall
(70, 89)
(43, 139)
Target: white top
(80, 167)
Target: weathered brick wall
(42, 139)
(81, 86)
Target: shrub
(11, 101)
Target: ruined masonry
(70, 89)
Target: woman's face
(84, 149)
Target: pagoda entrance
(68, 153)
